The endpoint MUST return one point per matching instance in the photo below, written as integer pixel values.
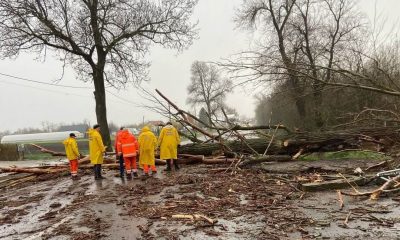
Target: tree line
(322, 61)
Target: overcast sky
(24, 104)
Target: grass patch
(351, 154)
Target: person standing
(73, 155)
(168, 142)
(147, 146)
(118, 157)
(96, 150)
(127, 146)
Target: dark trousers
(121, 165)
(97, 171)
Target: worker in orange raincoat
(119, 158)
(127, 146)
(73, 155)
(96, 150)
(168, 142)
(147, 146)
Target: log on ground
(336, 184)
(268, 158)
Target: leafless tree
(208, 88)
(105, 41)
(297, 36)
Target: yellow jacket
(71, 148)
(96, 147)
(147, 146)
(168, 142)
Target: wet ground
(250, 204)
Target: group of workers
(128, 150)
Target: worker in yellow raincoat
(96, 150)
(147, 146)
(168, 142)
(73, 155)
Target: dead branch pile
(230, 139)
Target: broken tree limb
(297, 155)
(194, 217)
(182, 216)
(270, 142)
(340, 199)
(335, 184)
(252, 128)
(381, 164)
(45, 150)
(180, 111)
(83, 160)
(209, 220)
(33, 170)
(266, 158)
(387, 187)
(346, 221)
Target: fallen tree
(225, 137)
(374, 139)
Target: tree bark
(101, 107)
(208, 149)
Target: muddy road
(250, 204)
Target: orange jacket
(127, 144)
(117, 135)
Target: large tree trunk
(305, 142)
(101, 107)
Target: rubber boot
(176, 164)
(135, 175)
(100, 176)
(129, 176)
(96, 172)
(168, 169)
(76, 177)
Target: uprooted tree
(105, 41)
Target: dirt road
(250, 204)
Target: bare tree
(207, 88)
(105, 41)
(298, 36)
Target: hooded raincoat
(168, 142)
(147, 146)
(127, 144)
(71, 148)
(96, 147)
